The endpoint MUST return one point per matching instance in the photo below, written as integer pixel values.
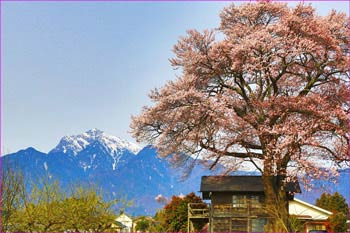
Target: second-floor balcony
(198, 210)
(225, 210)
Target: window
(239, 201)
(248, 224)
(316, 226)
(257, 224)
(242, 201)
(255, 201)
(239, 225)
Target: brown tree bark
(276, 204)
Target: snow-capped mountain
(72, 145)
(95, 149)
(121, 169)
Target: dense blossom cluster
(273, 91)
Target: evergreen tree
(335, 203)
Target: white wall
(125, 220)
(298, 207)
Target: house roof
(306, 211)
(119, 224)
(239, 184)
(312, 206)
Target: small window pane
(257, 224)
(239, 225)
(255, 201)
(239, 201)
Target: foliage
(143, 225)
(295, 224)
(335, 203)
(12, 195)
(272, 90)
(49, 209)
(173, 217)
(337, 222)
(158, 225)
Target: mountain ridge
(73, 144)
(120, 172)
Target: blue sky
(71, 66)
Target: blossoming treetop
(273, 90)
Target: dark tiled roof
(239, 184)
(119, 224)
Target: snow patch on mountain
(72, 145)
(45, 166)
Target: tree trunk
(276, 204)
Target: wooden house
(237, 205)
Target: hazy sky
(72, 66)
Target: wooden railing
(227, 210)
(198, 210)
(221, 210)
(221, 216)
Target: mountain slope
(72, 145)
(124, 170)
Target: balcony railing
(197, 210)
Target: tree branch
(231, 154)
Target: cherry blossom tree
(273, 90)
